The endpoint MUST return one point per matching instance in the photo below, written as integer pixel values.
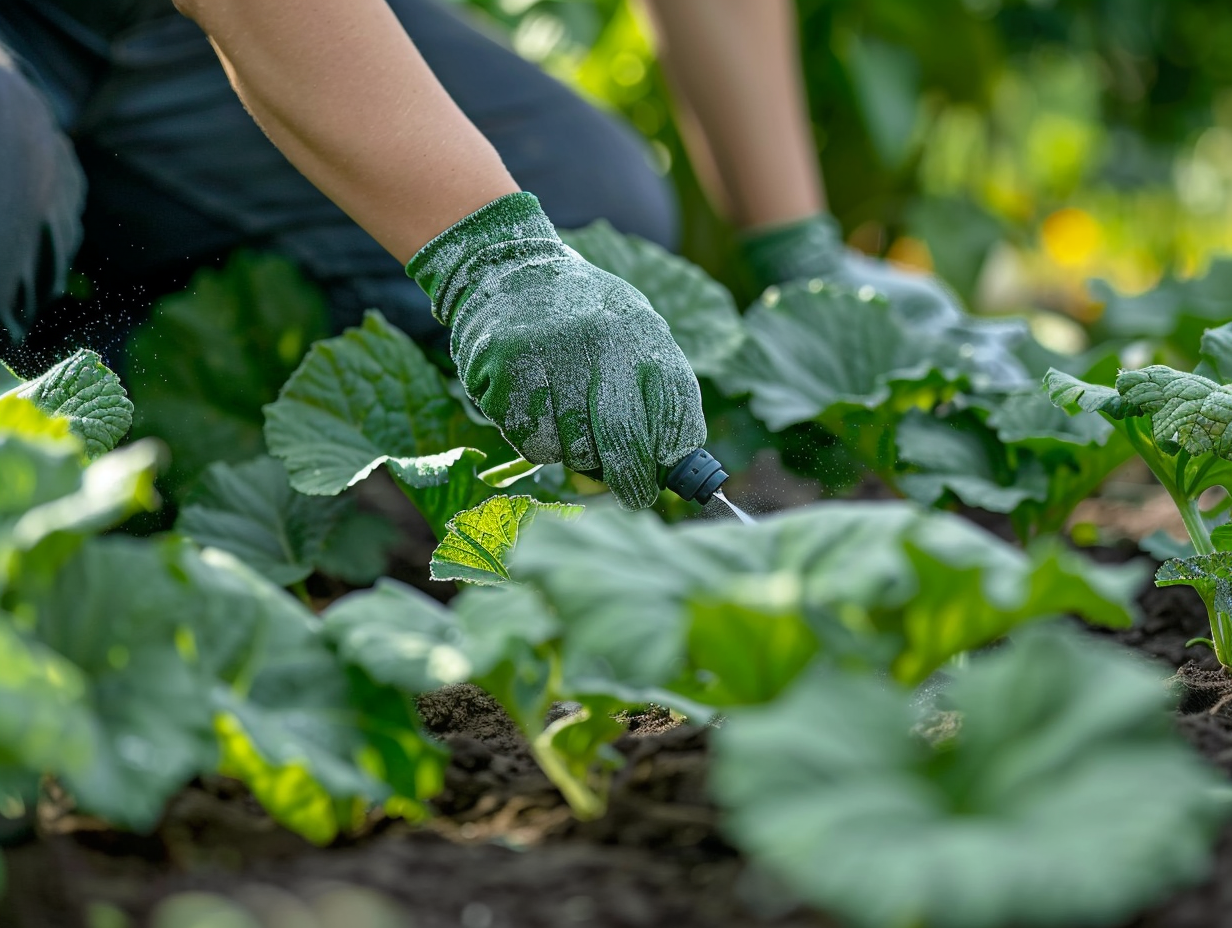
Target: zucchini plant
(124, 691)
(940, 408)
(614, 610)
(1011, 800)
(1177, 422)
(810, 633)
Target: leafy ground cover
(742, 717)
(854, 712)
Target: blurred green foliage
(1018, 147)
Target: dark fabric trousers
(178, 175)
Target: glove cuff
(511, 227)
(812, 247)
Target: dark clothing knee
(41, 192)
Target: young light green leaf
(479, 539)
(207, 360)
(1047, 814)
(82, 390)
(700, 312)
(1211, 576)
(251, 511)
(1187, 411)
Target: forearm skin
(735, 67)
(342, 91)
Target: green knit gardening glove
(571, 362)
(813, 248)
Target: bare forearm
(735, 66)
(343, 92)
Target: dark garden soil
(503, 851)
(1171, 617)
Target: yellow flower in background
(1071, 237)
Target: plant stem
(1195, 525)
(585, 802)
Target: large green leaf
(955, 609)
(700, 312)
(400, 636)
(200, 654)
(357, 550)
(114, 614)
(1216, 354)
(45, 722)
(620, 585)
(370, 397)
(479, 539)
(1032, 420)
(441, 485)
(960, 456)
(1176, 311)
(291, 721)
(251, 511)
(207, 360)
(742, 652)
(82, 390)
(1077, 451)
(816, 351)
(1044, 808)
(1173, 420)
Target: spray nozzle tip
(697, 477)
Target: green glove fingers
(814, 248)
(569, 361)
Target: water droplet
(867, 292)
(771, 296)
(816, 285)
(967, 350)
(476, 915)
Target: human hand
(814, 248)
(569, 361)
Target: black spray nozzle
(696, 477)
